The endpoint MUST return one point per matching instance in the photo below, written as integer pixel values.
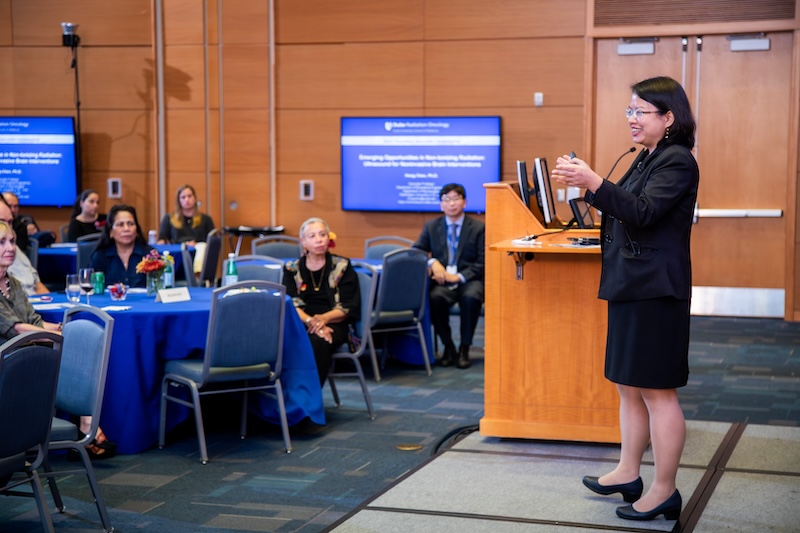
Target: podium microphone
(630, 150)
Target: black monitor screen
(37, 160)
(524, 186)
(544, 190)
(581, 213)
(401, 163)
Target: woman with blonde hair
(186, 224)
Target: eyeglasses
(451, 199)
(638, 113)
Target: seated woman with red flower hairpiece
(122, 246)
(324, 289)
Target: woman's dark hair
(76, 208)
(105, 239)
(668, 95)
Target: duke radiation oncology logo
(387, 125)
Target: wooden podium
(545, 331)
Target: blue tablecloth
(150, 333)
(56, 262)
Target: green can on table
(99, 282)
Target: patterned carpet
(745, 370)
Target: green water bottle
(169, 274)
(231, 274)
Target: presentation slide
(399, 164)
(37, 160)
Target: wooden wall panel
(346, 76)
(186, 144)
(476, 20)
(100, 22)
(333, 21)
(42, 78)
(184, 77)
(245, 76)
(122, 78)
(6, 77)
(246, 138)
(117, 140)
(244, 22)
(183, 22)
(5, 23)
(249, 191)
(504, 72)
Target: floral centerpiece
(153, 266)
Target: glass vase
(155, 282)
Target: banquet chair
(32, 251)
(188, 266)
(401, 300)
(87, 333)
(377, 247)
(257, 267)
(280, 246)
(367, 282)
(85, 249)
(244, 352)
(208, 274)
(63, 232)
(28, 380)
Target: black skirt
(648, 343)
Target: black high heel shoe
(630, 491)
(671, 509)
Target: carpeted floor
(743, 370)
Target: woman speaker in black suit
(646, 279)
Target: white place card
(178, 294)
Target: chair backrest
(280, 246)
(33, 251)
(188, 266)
(377, 247)
(404, 282)
(84, 361)
(86, 247)
(257, 267)
(63, 232)
(208, 274)
(367, 285)
(245, 328)
(28, 379)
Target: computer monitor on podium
(525, 188)
(544, 192)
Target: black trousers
(323, 351)
(469, 297)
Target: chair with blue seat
(401, 300)
(63, 232)
(367, 283)
(244, 352)
(32, 251)
(87, 333)
(28, 380)
(86, 246)
(257, 267)
(377, 247)
(280, 246)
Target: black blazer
(470, 254)
(646, 225)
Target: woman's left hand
(574, 172)
(326, 333)
(316, 323)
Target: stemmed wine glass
(85, 281)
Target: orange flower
(152, 262)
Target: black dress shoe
(463, 358)
(449, 356)
(671, 509)
(630, 491)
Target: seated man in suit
(456, 244)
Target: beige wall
(332, 58)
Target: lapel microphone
(630, 150)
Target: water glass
(73, 289)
